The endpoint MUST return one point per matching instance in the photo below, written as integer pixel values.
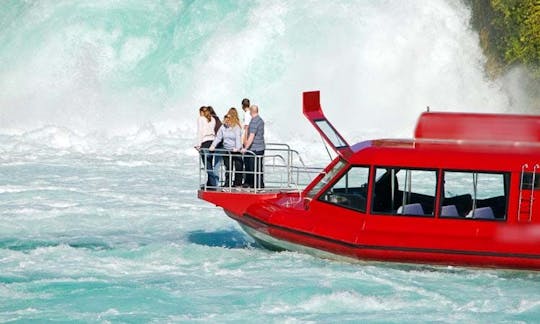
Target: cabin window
(328, 176)
(400, 191)
(475, 195)
(350, 190)
(331, 133)
(530, 181)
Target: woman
(237, 157)
(205, 136)
(233, 113)
(231, 135)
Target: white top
(246, 119)
(205, 129)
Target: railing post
(523, 167)
(531, 203)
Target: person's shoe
(246, 185)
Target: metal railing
(279, 169)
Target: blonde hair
(233, 115)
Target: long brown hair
(233, 115)
(206, 113)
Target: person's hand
(212, 149)
(243, 150)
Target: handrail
(531, 202)
(523, 167)
(282, 167)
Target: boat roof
(478, 127)
(460, 140)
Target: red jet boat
(461, 192)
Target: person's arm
(219, 137)
(200, 132)
(249, 141)
(237, 139)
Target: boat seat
(411, 209)
(482, 213)
(449, 211)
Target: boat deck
(283, 171)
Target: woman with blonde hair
(230, 133)
(235, 120)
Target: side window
(404, 191)
(530, 181)
(350, 190)
(326, 178)
(475, 195)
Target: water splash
(109, 68)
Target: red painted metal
(478, 127)
(313, 111)
(449, 141)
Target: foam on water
(98, 209)
(95, 240)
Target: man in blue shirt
(254, 143)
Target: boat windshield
(326, 178)
(332, 135)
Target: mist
(116, 68)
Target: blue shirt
(231, 137)
(256, 126)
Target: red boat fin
(313, 112)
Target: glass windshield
(326, 178)
(336, 139)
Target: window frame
(315, 190)
(507, 183)
(337, 179)
(328, 129)
(435, 197)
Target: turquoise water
(120, 237)
(98, 209)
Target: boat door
(529, 192)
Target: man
(254, 143)
(246, 118)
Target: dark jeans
(212, 179)
(254, 169)
(234, 159)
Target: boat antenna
(326, 147)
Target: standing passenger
(237, 158)
(205, 137)
(230, 134)
(218, 157)
(246, 118)
(255, 143)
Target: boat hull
(279, 238)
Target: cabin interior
(413, 192)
